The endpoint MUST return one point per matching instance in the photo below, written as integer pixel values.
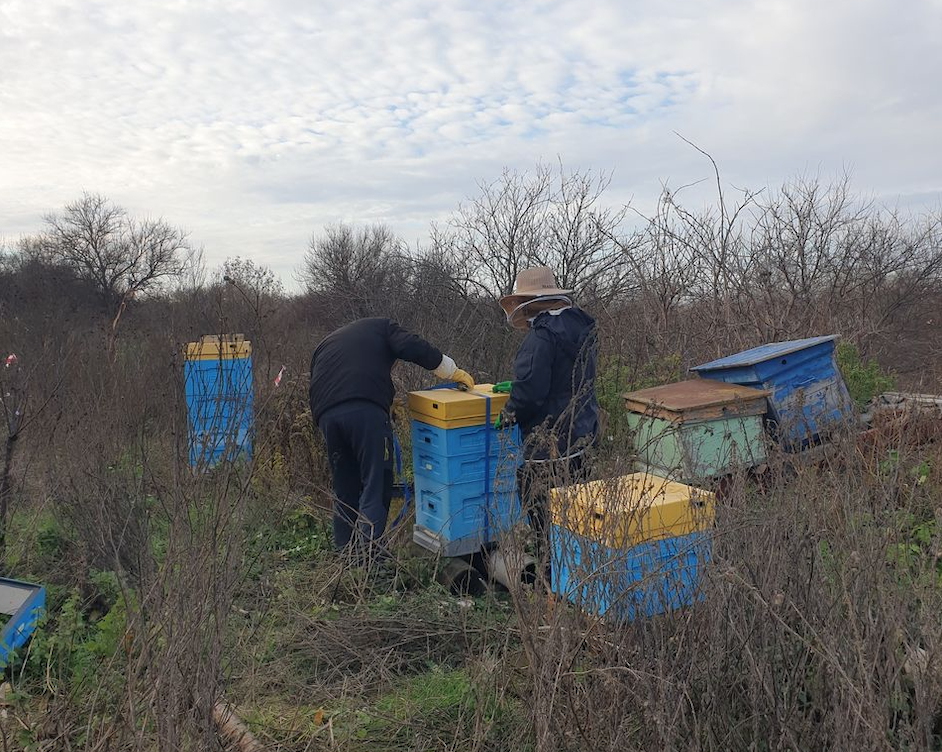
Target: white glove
(446, 369)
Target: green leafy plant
(616, 377)
(865, 379)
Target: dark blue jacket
(356, 362)
(554, 384)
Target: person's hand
(463, 379)
(504, 420)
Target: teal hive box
(698, 429)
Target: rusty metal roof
(695, 395)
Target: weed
(865, 379)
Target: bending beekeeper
(351, 394)
(552, 397)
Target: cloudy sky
(252, 123)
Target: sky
(253, 124)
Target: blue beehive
(648, 579)
(465, 470)
(218, 387)
(25, 604)
(808, 395)
(631, 546)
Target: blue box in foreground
(808, 396)
(647, 579)
(25, 604)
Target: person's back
(355, 363)
(554, 391)
(351, 392)
(571, 409)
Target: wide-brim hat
(536, 282)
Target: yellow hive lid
(214, 347)
(452, 408)
(623, 512)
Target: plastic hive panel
(461, 468)
(450, 442)
(205, 378)
(648, 579)
(458, 511)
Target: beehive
(218, 388)
(808, 398)
(631, 546)
(697, 429)
(464, 469)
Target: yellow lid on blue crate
(632, 509)
(214, 347)
(452, 408)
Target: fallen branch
(233, 731)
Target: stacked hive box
(631, 546)
(808, 396)
(465, 470)
(698, 429)
(218, 382)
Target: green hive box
(697, 429)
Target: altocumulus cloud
(253, 123)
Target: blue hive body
(219, 403)
(650, 578)
(459, 509)
(25, 604)
(808, 398)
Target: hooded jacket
(553, 394)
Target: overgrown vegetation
(170, 590)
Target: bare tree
(257, 280)
(122, 256)
(549, 217)
(362, 271)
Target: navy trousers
(359, 442)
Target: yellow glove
(463, 378)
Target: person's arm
(533, 369)
(411, 347)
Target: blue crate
(809, 398)
(219, 407)
(450, 442)
(25, 604)
(207, 378)
(648, 579)
(462, 468)
(456, 512)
